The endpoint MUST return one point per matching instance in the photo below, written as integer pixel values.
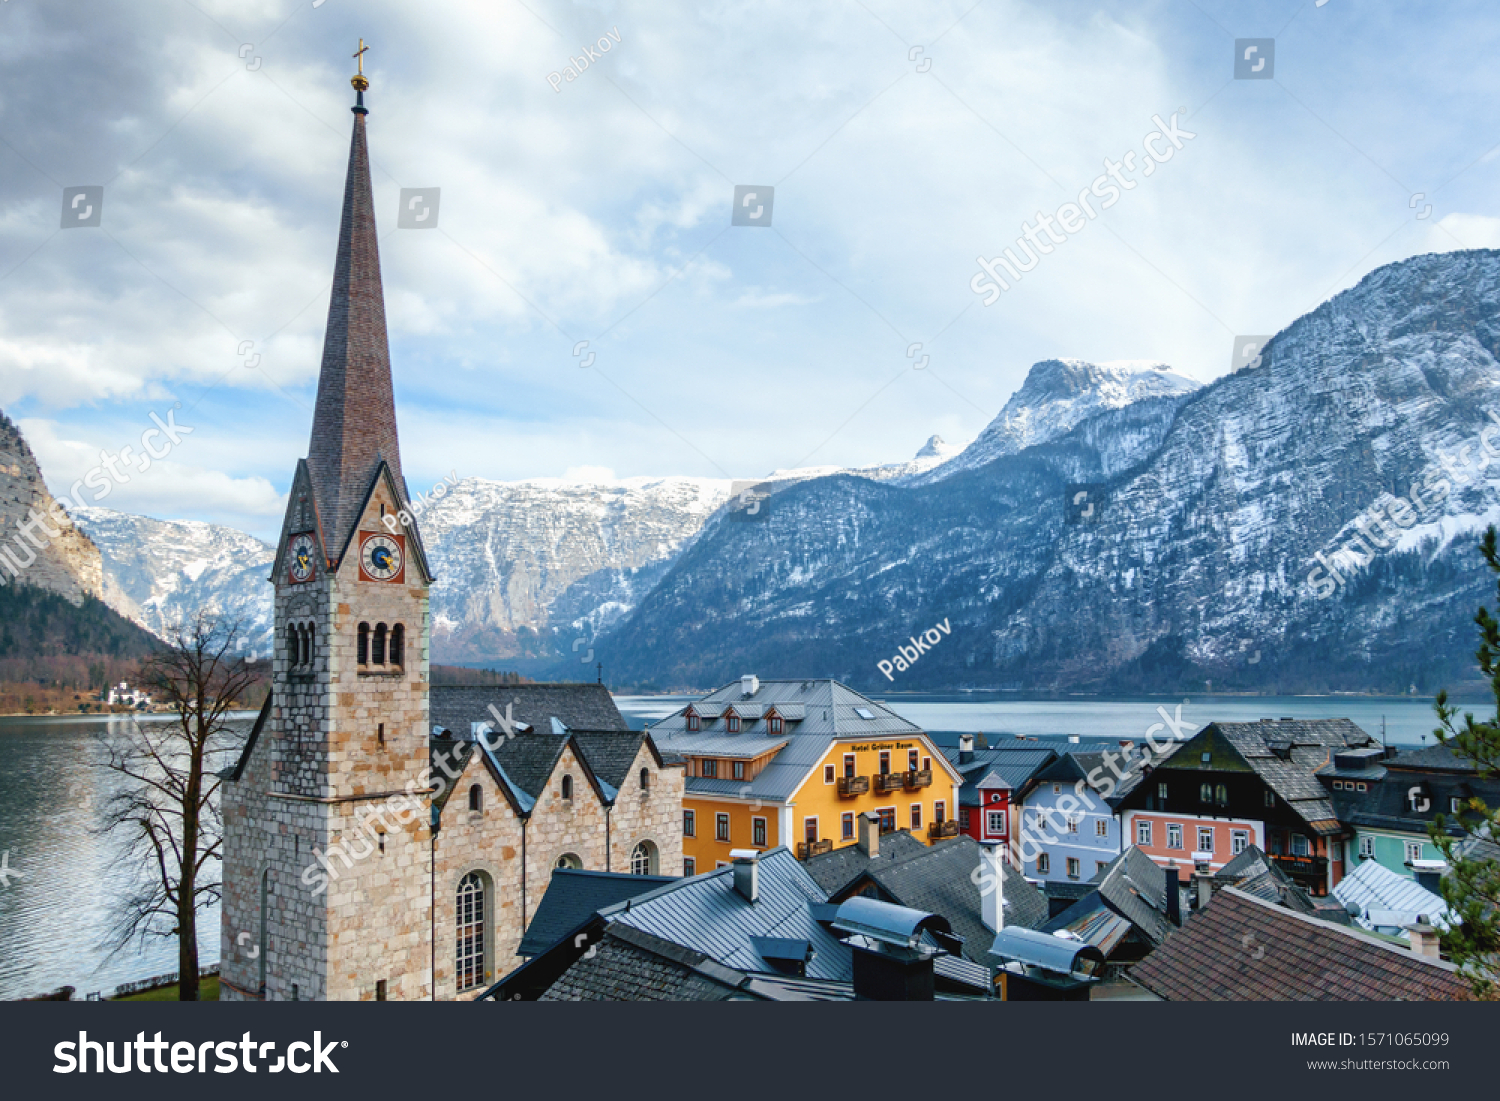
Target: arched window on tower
(645, 780)
(377, 656)
(398, 644)
(312, 642)
(567, 787)
(470, 932)
(476, 798)
(293, 645)
(643, 859)
(364, 644)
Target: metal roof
(1372, 887)
(573, 897)
(886, 922)
(706, 914)
(718, 744)
(1045, 950)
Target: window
(1043, 863)
(398, 644)
(964, 818)
(1239, 841)
(476, 798)
(689, 866)
(1338, 785)
(828, 774)
(721, 827)
(645, 780)
(643, 859)
(1366, 847)
(1161, 790)
(734, 724)
(689, 823)
(569, 861)
(1271, 796)
(1336, 851)
(994, 822)
(1455, 805)
(1358, 787)
(887, 819)
(1300, 847)
(1205, 793)
(1074, 869)
(926, 764)
(738, 769)
(1143, 833)
(1101, 828)
(810, 829)
(1100, 865)
(1205, 840)
(377, 645)
(758, 832)
(911, 761)
(775, 724)
(380, 990)
(380, 733)
(1221, 794)
(1174, 835)
(692, 721)
(916, 817)
(1073, 823)
(710, 768)
(296, 993)
(940, 812)
(363, 655)
(470, 920)
(567, 787)
(1413, 850)
(885, 762)
(846, 827)
(848, 764)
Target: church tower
(326, 815)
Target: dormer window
(692, 721)
(734, 724)
(775, 724)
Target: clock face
(301, 554)
(381, 557)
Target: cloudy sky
(902, 140)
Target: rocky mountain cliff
(67, 563)
(1192, 562)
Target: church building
(384, 838)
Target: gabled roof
(1432, 758)
(1240, 948)
(233, 774)
(1011, 765)
(1135, 887)
(612, 753)
(573, 897)
(456, 707)
(1090, 920)
(835, 870)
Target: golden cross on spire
(360, 56)
(359, 80)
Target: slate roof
(1009, 764)
(706, 914)
(611, 753)
(573, 897)
(1432, 758)
(831, 711)
(528, 760)
(624, 969)
(233, 774)
(456, 707)
(1256, 874)
(1135, 887)
(1300, 958)
(1286, 753)
(447, 757)
(835, 870)
(1385, 898)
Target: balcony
(1310, 867)
(939, 830)
(918, 778)
(889, 781)
(813, 848)
(853, 785)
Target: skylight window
(864, 712)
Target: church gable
(383, 516)
(301, 520)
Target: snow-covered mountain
(160, 571)
(1195, 563)
(1057, 396)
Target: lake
(55, 915)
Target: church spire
(354, 425)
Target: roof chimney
(1424, 939)
(965, 748)
(1174, 897)
(1205, 883)
(749, 684)
(746, 873)
(992, 889)
(869, 834)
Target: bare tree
(169, 810)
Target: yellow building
(795, 762)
